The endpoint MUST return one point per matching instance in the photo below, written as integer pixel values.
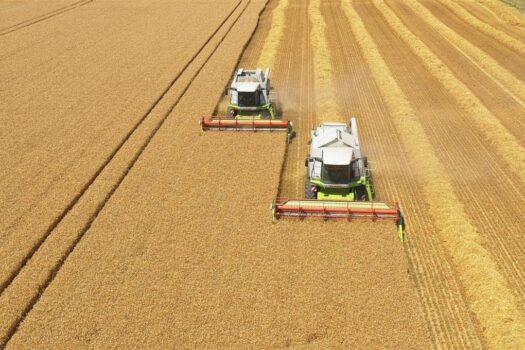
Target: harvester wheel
(361, 194)
(309, 193)
(265, 114)
(232, 112)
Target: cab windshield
(336, 174)
(248, 99)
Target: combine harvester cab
(338, 181)
(251, 106)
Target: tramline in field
(338, 181)
(251, 107)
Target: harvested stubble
(448, 319)
(492, 67)
(508, 146)
(485, 28)
(501, 319)
(506, 13)
(498, 97)
(507, 56)
(167, 262)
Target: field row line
(43, 17)
(488, 216)
(500, 11)
(473, 262)
(489, 65)
(301, 106)
(425, 258)
(495, 133)
(485, 28)
(443, 302)
(25, 275)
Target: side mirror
(226, 89)
(306, 162)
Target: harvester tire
(231, 112)
(308, 193)
(361, 194)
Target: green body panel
(257, 113)
(336, 194)
(347, 193)
(401, 232)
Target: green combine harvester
(335, 168)
(251, 107)
(338, 180)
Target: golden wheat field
(124, 225)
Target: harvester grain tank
(338, 180)
(251, 107)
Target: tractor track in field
(83, 190)
(101, 205)
(43, 17)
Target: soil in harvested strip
(467, 250)
(201, 273)
(295, 89)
